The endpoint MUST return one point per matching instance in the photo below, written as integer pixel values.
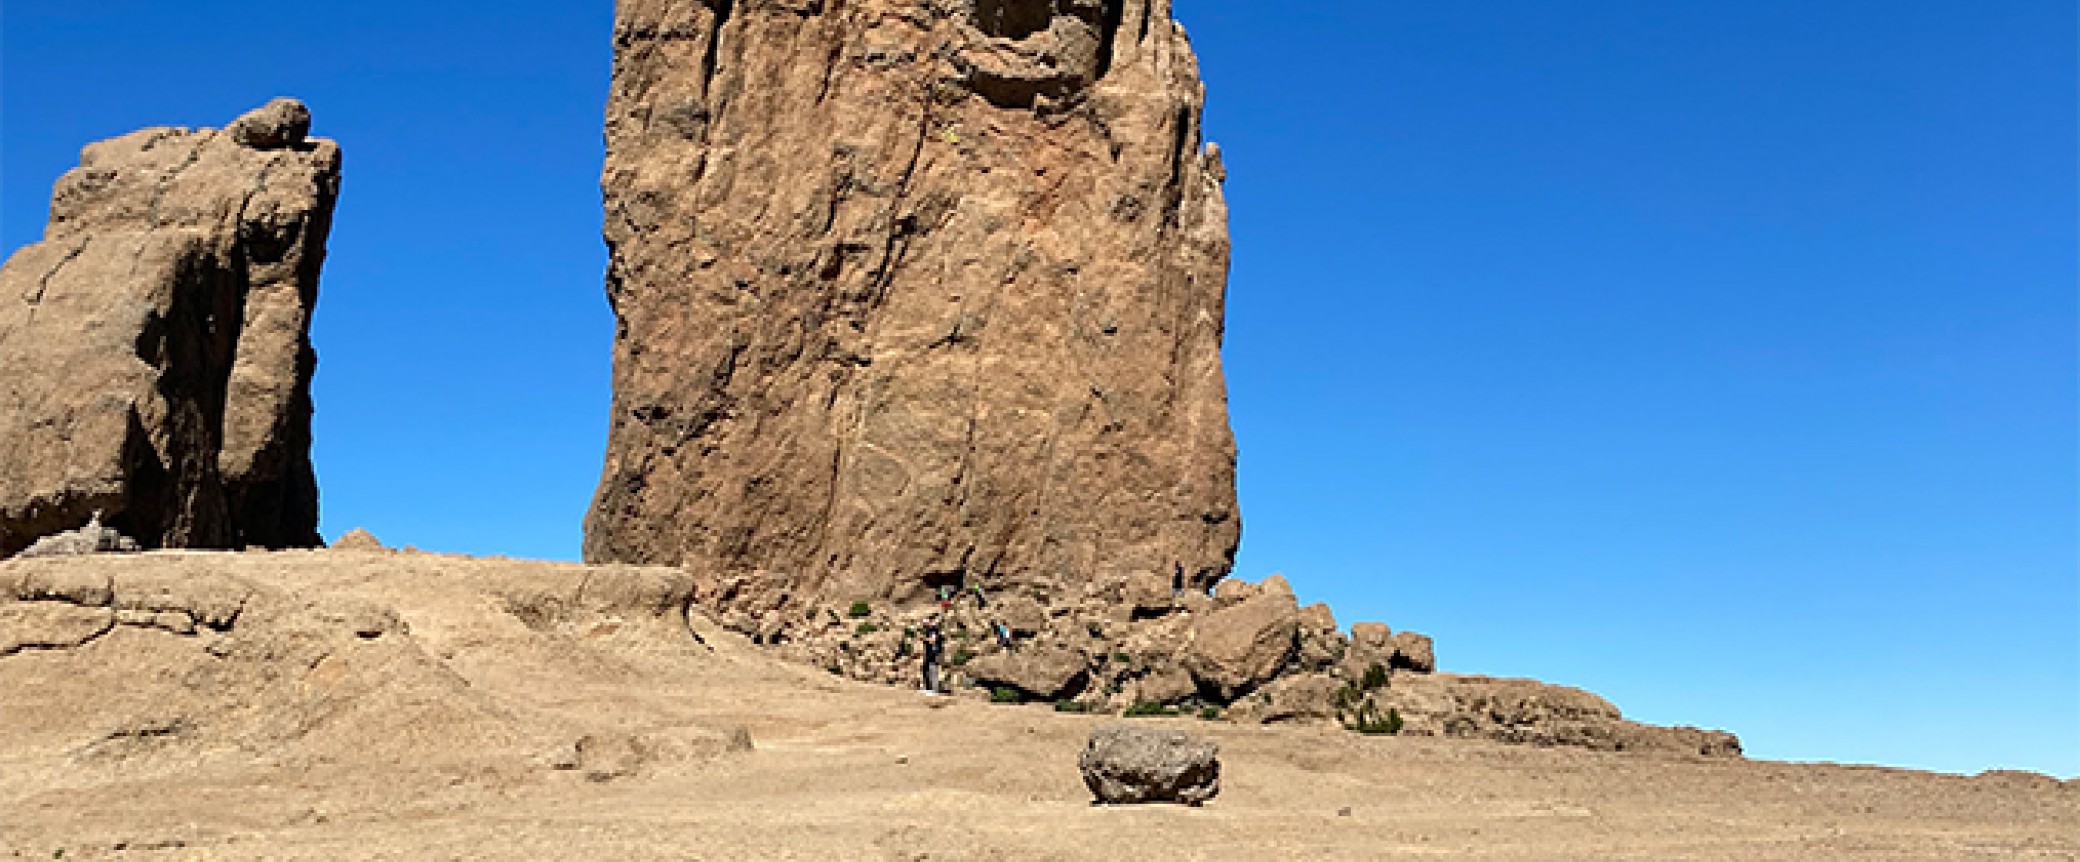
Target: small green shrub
(1122, 658)
(1348, 697)
(962, 656)
(860, 609)
(1071, 706)
(903, 648)
(1149, 709)
(866, 629)
(1375, 678)
(1368, 720)
(1209, 713)
(1003, 694)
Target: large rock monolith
(914, 294)
(155, 359)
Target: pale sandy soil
(303, 732)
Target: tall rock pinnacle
(155, 359)
(914, 292)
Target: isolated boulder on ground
(155, 359)
(1123, 764)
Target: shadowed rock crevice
(1032, 50)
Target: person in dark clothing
(934, 646)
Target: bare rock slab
(913, 293)
(94, 538)
(1123, 764)
(155, 359)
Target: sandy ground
(532, 711)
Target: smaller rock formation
(155, 359)
(358, 539)
(1535, 713)
(90, 539)
(1123, 765)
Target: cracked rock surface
(155, 359)
(914, 294)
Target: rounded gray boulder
(1125, 765)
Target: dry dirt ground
(366, 705)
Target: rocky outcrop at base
(155, 360)
(1249, 653)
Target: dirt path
(591, 726)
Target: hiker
(934, 645)
(1003, 634)
(981, 601)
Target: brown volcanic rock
(914, 293)
(1236, 649)
(154, 354)
(1530, 712)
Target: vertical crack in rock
(155, 358)
(1045, 235)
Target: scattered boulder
(1321, 644)
(1298, 698)
(1038, 673)
(1164, 684)
(1236, 649)
(358, 539)
(156, 341)
(1413, 652)
(1123, 764)
(90, 539)
(1020, 614)
(1370, 644)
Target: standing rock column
(155, 359)
(912, 293)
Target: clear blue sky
(1715, 357)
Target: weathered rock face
(914, 293)
(155, 359)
